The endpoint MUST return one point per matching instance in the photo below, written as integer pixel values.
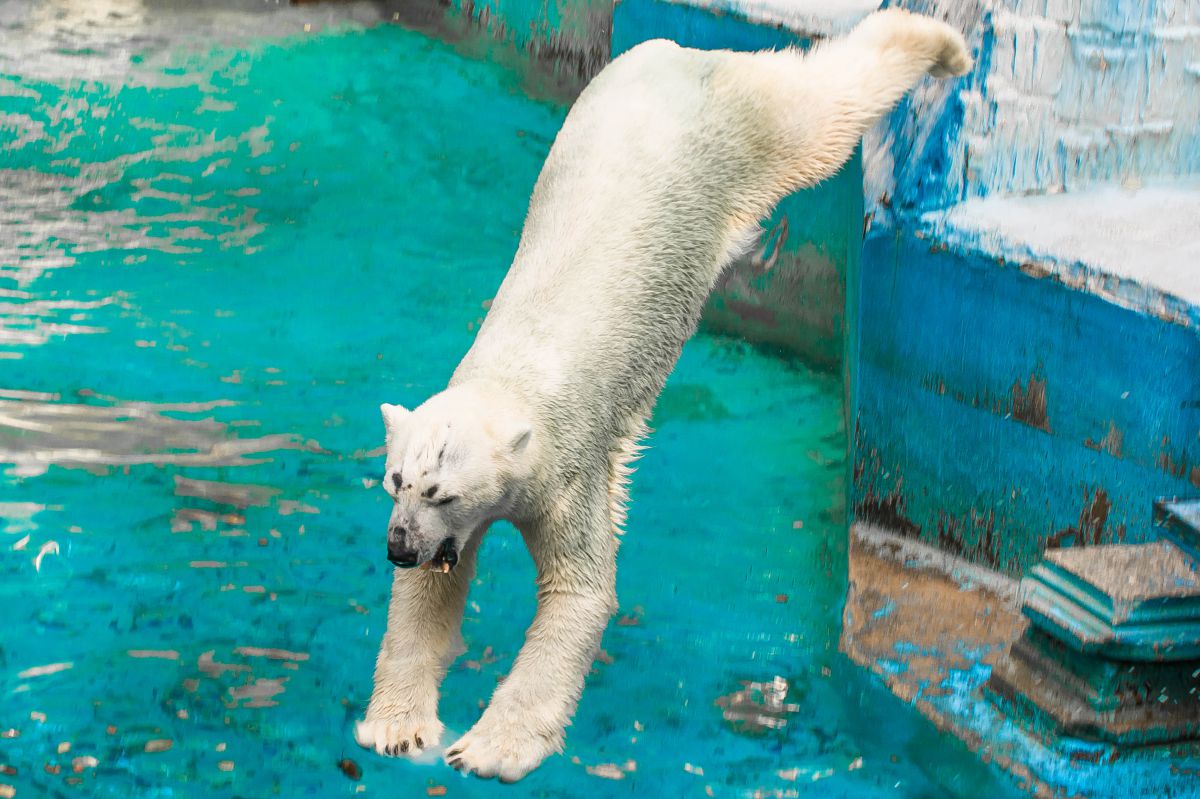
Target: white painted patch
(1147, 235)
(806, 17)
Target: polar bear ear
(517, 436)
(393, 416)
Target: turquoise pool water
(224, 242)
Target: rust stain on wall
(1177, 466)
(973, 537)
(1089, 530)
(1113, 442)
(1029, 403)
(886, 510)
(1024, 402)
(874, 505)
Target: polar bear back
(636, 210)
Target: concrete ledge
(1137, 248)
(934, 627)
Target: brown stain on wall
(1025, 403)
(1089, 530)
(1029, 403)
(887, 511)
(1113, 442)
(1177, 466)
(974, 537)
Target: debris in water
(41, 671)
(350, 769)
(758, 706)
(80, 764)
(609, 771)
(48, 548)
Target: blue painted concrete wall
(999, 413)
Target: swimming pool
(221, 251)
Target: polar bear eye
(444, 501)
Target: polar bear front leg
(422, 637)
(530, 710)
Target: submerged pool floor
(217, 258)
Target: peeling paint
(1029, 403)
(1090, 527)
(1112, 442)
(1177, 465)
(973, 536)
(886, 510)
(1025, 403)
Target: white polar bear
(658, 178)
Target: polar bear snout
(402, 551)
(399, 551)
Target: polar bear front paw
(501, 749)
(401, 734)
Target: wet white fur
(658, 178)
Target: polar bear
(659, 177)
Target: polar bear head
(452, 467)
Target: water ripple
(36, 434)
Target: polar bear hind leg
(819, 104)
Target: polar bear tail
(825, 100)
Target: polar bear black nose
(399, 551)
(402, 556)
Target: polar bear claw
(507, 751)
(400, 735)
